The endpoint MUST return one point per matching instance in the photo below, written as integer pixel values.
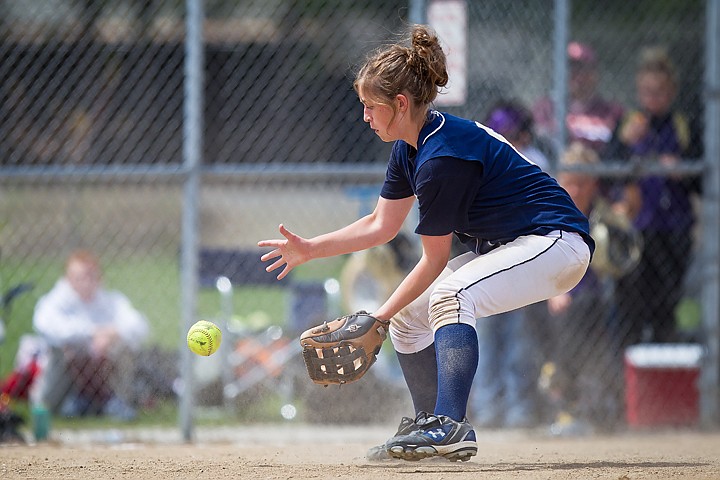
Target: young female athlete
(527, 240)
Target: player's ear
(402, 102)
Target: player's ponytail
(428, 60)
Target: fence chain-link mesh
(91, 157)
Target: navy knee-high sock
(420, 372)
(456, 348)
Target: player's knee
(448, 305)
(409, 339)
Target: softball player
(527, 240)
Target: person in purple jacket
(660, 205)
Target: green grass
(165, 414)
(152, 282)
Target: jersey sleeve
(397, 184)
(446, 188)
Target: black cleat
(380, 452)
(435, 435)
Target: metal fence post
(418, 11)
(192, 159)
(559, 93)
(710, 376)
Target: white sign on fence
(449, 19)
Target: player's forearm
(360, 235)
(417, 281)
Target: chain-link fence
(92, 123)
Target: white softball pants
(527, 270)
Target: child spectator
(90, 332)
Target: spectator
(514, 121)
(579, 358)
(590, 118)
(660, 205)
(90, 332)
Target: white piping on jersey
(435, 112)
(496, 135)
(490, 131)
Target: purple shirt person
(660, 205)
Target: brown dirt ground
(339, 453)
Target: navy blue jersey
(470, 181)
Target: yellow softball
(204, 338)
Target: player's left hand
(292, 251)
(342, 350)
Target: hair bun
(421, 38)
(416, 60)
(415, 66)
(427, 56)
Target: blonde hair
(578, 153)
(419, 70)
(657, 60)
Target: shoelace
(428, 420)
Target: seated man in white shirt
(91, 333)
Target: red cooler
(661, 384)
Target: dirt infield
(338, 453)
